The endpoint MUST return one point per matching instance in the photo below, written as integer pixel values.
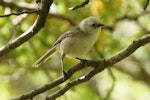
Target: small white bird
(75, 42)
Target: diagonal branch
(98, 66)
(147, 2)
(39, 23)
(101, 66)
(73, 83)
(51, 85)
(81, 5)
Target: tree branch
(18, 6)
(22, 12)
(79, 6)
(147, 2)
(31, 7)
(98, 66)
(39, 23)
(113, 84)
(101, 66)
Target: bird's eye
(94, 25)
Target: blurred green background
(126, 21)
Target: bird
(75, 42)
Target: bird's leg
(65, 75)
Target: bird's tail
(44, 57)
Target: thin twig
(31, 7)
(60, 16)
(20, 13)
(113, 83)
(147, 2)
(79, 6)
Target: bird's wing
(70, 33)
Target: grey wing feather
(69, 33)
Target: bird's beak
(100, 25)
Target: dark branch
(39, 23)
(31, 7)
(98, 65)
(81, 5)
(75, 82)
(22, 12)
(51, 85)
(147, 2)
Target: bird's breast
(78, 45)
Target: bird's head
(90, 25)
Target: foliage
(126, 21)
